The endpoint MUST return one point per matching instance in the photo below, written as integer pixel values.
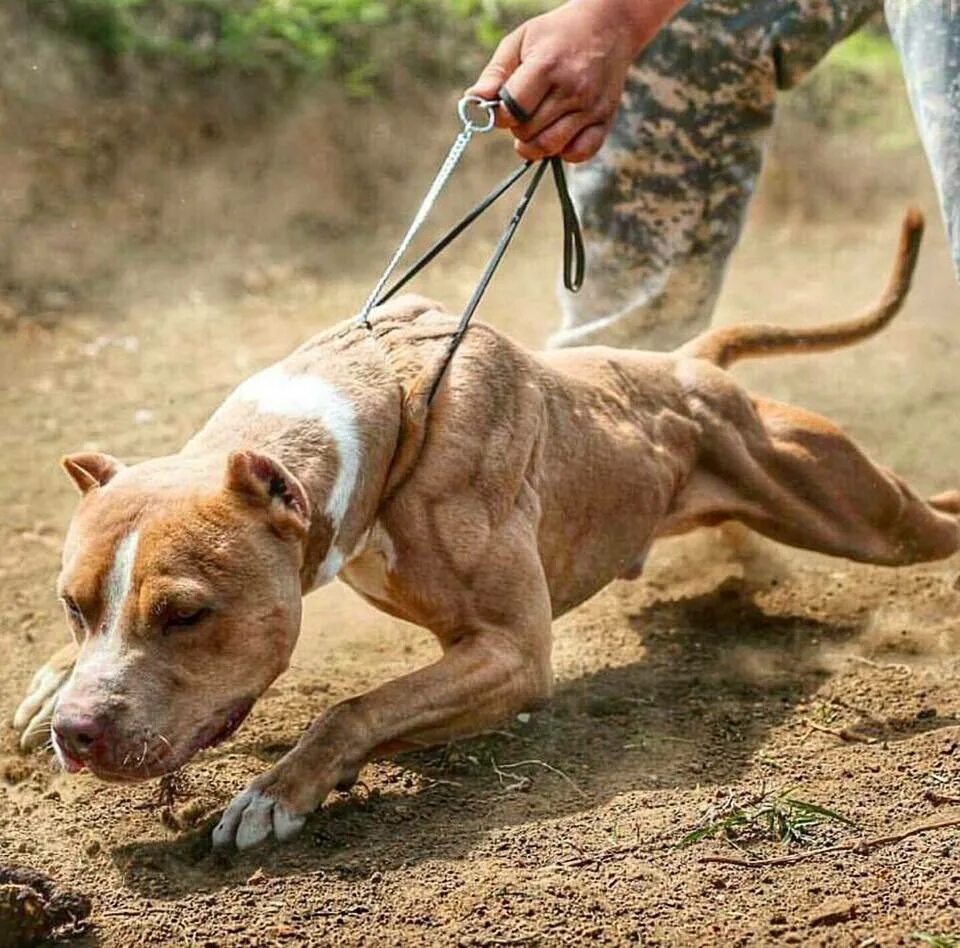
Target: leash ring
(463, 110)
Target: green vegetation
(858, 86)
(938, 941)
(293, 36)
(867, 51)
(773, 815)
(362, 42)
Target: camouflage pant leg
(663, 203)
(927, 34)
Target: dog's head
(182, 588)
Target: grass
(867, 51)
(776, 815)
(359, 42)
(858, 86)
(343, 38)
(825, 713)
(938, 941)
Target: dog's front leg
(33, 716)
(497, 664)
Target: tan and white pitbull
(529, 484)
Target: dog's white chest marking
(309, 397)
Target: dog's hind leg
(797, 478)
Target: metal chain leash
(469, 129)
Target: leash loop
(574, 258)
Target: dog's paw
(32, 719)
(254, 816)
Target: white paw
(32, 719)
(252, 817)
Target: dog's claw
(255, 822)
(251, 818)
(32, 718)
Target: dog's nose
(78, 733)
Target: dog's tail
(725, 346)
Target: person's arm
(566, 69)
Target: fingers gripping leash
(477, 116)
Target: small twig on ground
(431, 782)
(517, 781)
(604, 855)
(843, 733)
(358, 909)
(859, 847)
(934, 796)
(507, 734)
(870, 663)
(546, 766)
(138, 912)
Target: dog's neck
(333, 421)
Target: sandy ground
(700, 679)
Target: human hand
(566, 70)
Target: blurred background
(229, 146)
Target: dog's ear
(89, 469)
(264, 481)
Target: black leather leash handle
(574, 258)
(573, 255)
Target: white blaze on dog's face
(182, 587)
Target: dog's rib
(730, 344)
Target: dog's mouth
(158, 756)
(213, 735)
(71, 764)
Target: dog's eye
(185, 618)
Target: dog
(529, 484)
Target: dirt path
(562, 829)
